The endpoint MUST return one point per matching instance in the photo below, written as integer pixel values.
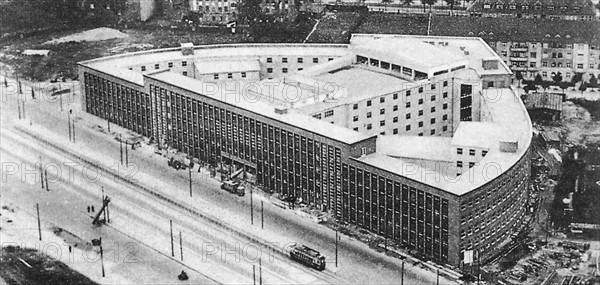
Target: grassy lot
(63, 57)
(45, 270)
(379, 23)
(336, 28)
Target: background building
(223, 11)
(540, 9)
(527, 46)
(431, 150)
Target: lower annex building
(399, 135)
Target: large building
(223, 11)
(537, 9)
(553, 56)
(418, 139)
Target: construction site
(562, 243)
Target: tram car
(307, 256)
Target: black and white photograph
(272, 142)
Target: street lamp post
(69, 125)
(190, 179)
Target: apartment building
(223, 11)
(550, 58)
(536, 9)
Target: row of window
(395, 119)
(407, 127)
(229, 75)
(283, 70)
(299, 60)
(294, 164)
(416, 218)
(472, 152)
(432, 98)
(418, 75)
(536, 7)
(157, 66)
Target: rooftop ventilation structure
(187, 48)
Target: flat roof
(544, 100)
(469, 48)
(477, 134)
(362, 83)
(416, 147)
(399, 50)
(117, 64)
(505, 115)
(232, 93)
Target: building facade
(564, 57)
(440, 170)
(536, 9)
(223, 11)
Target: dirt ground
(28, 266)
(578, 126)
(63, 57)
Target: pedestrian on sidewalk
(88, 209)
(93, 209)
(32, 94)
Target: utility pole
(262, 215)
(69, 124)
(24, 117)
(41, 172)
(37, 207)
(251, 209)
(253, 274)
(190, 178)
(102, 258)
(172, 248)
(107, 213)
(73, 128)
(438, 277)
(181, 245)
(126, 154)
(121, 147)
(19, 107)
(429, 24)
(336, 247)
(61, 102)
(259, 271)
(46, 177)
(402, 274)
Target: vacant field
(63, 57)
(336, 27)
